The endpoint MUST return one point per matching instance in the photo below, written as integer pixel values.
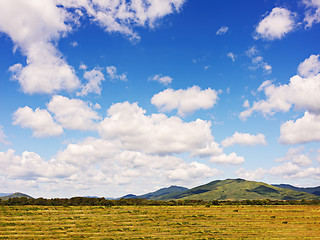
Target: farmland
(160, 222)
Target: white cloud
(276, 25)
(112, 72)
(251, 174)
(257, 61)
(36, 25)
(155, 134)
(165, 80)
(291, 170)
(312, 15)
(74, 44)
(302, 93)
(94, 77)
(73, 113)
(39, 121)
(296, 156)
(303, 130)
(309, 67)
(121, 16)
(232, 158)
(232, 56)
(245, 139)
(3, 137)
(185, 101)
(222, 30)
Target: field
(160, 222)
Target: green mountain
(237, 189)
(15, 195)
(158, 193)
(312, 190)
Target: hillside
(238, 189)
(312, 190)
(15, 195)
(158, 193)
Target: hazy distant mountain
(15, 195)
(5, 194)
(238, 189)
(158, 193)
(312, 190)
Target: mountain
(312, 190)
(158, 193)
(237, 189)
(4, 194)
(15, 195)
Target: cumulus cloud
(303, 130)
(296, 156)
(121, 16)
(244, 139)
(276, 24)
(185, 101)
(165, 80)
(155, 134)
(251, 174)
(73, 113)
(222, 30)
(291, 170)
(36, 25)
(302, 93)
(39, 121)
(312, 14)
(94, 78)
(309, 67)
(232, 158)
(112, 72)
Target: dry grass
(160, 222)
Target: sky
(106, 98)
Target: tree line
(86, 201)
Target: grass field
(160, 222)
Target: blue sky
(107, 98)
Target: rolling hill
(15, 195)
(312, 190)
(237, 189)
(158, 193)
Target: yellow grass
(160, 222)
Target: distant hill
(158, 193)
(15, 195)
(5, 194)
(237, 189)
(312, 190)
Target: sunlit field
(160, 222)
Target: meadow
(160, 222)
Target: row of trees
(86, 201)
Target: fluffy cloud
(94, 77)
(165, 80)
(119, 16)
(232, 158)
(155, 134)
(112, 72)
(313, 13)
(276, 25)
(303, 130)
(291, 170)
(36, 24)
(309, 67)
(222, 30)
(39, 121)
(302, 93)
(185, 101)
(251, 174)
(296, 156)
(245, 139)
(73, 113)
